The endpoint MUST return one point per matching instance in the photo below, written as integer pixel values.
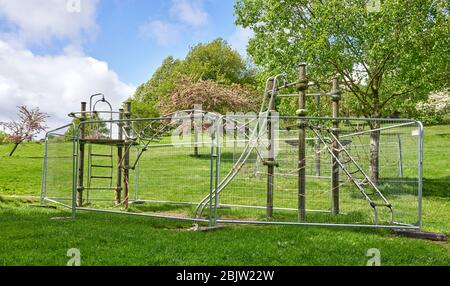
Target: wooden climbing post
(317, 141)
(194, 126)
(126, 161)
(335, 97)
(118, 192)
(270, 160)
(81, 147)
(302, 87)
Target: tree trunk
(375, 135)
(14, 149)
(374, 152)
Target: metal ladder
(351, 168)
(92, 165)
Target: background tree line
(389, 60)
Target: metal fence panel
(244, 169)
(58, 167)
(395, 195)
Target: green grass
(29, 235)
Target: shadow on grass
(436, 187)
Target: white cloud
(239, 39)
(164, 33)
(55, 84)
(189, 12)
(40, 21)
(185, 16)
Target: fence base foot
(43, 206)
(196, 227)
(421, 235)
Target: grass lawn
(29, 235)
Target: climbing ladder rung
(353, 172)
(101, 177)
(101, 155)
(360, 184)
(100, 189)
(100, 166)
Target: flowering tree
(30, 123)
(438, 103)
(211, 96)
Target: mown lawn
(29, 235)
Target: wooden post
(126, 161)
(82, 135)
(117, 194)
(335, 97)
(194, 125)
(302, 87)
(400, 156)
(270, 159)
(317, 141)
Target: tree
(436, 107)
(387, 59)
(212, 96)
(215, 61)
(98, 130)
(158, 86)
(30, 123)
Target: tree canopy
(215, 61)
(388, 59)
(212, 96)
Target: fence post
(302, 87)
(270, 159)
(82, 135)
(216, 189)
(194, 126)
(212, 188)
(126, 161)
(117, 194)
(335, 97)
(317, 141)
(74, 170)
(400, 156)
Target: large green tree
(215, 61)
(148, 95)
(388, 58)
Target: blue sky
(133, 53)
(55, 53)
